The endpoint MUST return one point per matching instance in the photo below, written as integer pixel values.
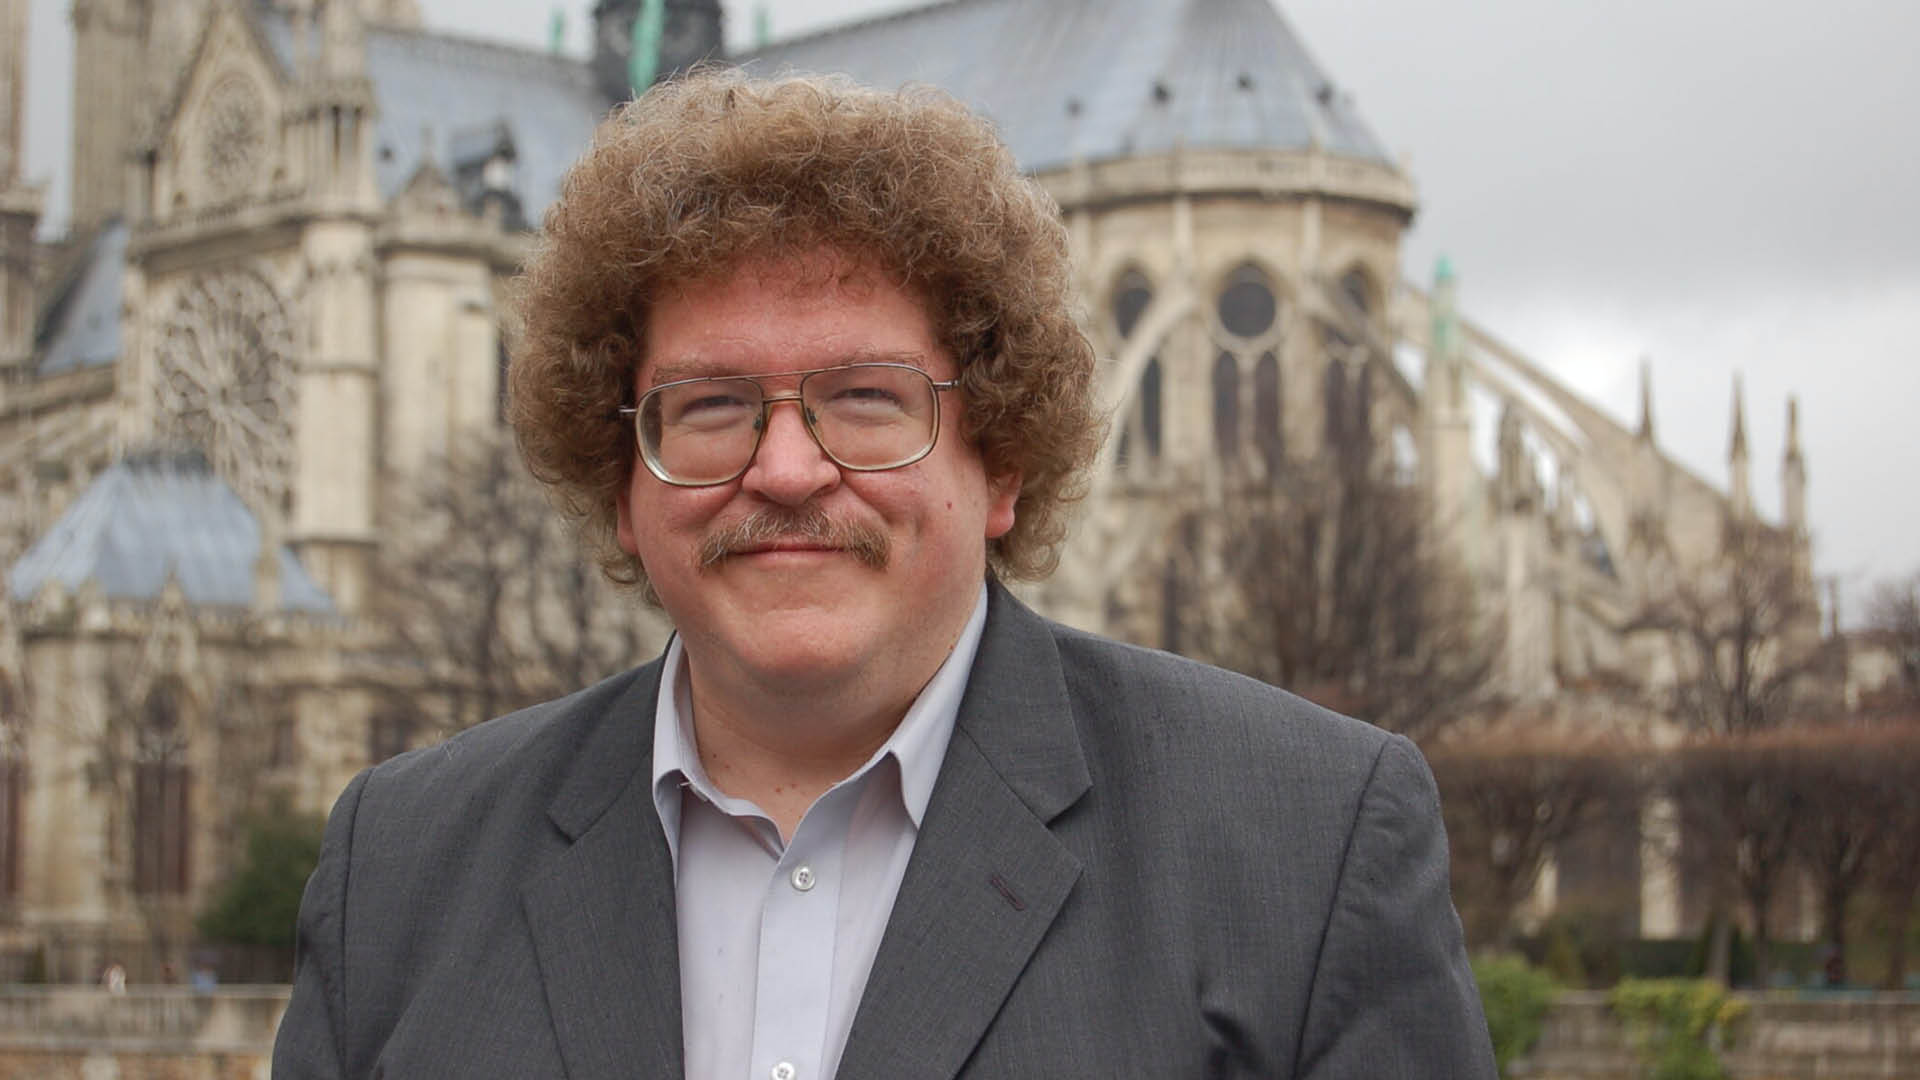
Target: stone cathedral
(283, 293)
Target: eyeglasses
(865, 417)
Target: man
(800, 357)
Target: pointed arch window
(1131, 295)
(1140, 429)
(1267, 433)
(162, 793)
(13, 777)
(1226, 405)
(1334, 397)
(503, 362)
(1246, 340)
(1150, 397)
(1170, 606)
(1174, 596)
(389, 734)
(1357, 289)
(1360, 408)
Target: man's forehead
(795, 271)
(807, 274)
(705, 366)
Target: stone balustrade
(85, 1033)
(1782, 1037)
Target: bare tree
(1741, 803)
(489, 600)
(1851, 801)
(1893, 616)
(1325, 576)
(1745, 633)
(1895, 871)
(1515, 797)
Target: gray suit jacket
(1132, 866)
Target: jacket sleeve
(1392, 994)
(312, 1041)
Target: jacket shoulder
(525, 753)
(1158, 688)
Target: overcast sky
(1720, 186)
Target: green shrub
(1562, 959)
(260, 902)
(1675, 1024)
(1515, 996)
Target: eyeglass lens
(865, 416)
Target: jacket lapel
(602, 912)
(987, 877)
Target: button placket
(797, 939)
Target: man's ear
(1002, 493)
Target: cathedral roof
(439, 93)
(158, 516)
(1068, 80)
(82, 323)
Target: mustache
(805, 525)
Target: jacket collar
(986, 880)
(987, 877)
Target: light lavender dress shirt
(776, 940)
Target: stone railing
(86, 1032)
(1781, 1037)
(227, 1034)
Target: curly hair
(705, 172)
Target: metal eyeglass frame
(767, 402)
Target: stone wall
(150, 1033)
(1842, 1037)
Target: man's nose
(789, 467)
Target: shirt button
(803, 880)
(784, 1070)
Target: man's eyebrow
(706, 368)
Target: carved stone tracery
(225, 381)
(232, 137)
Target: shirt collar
(918, 745)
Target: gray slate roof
(152, 516)
(438, 92)
(83, 321)
(1145, 76)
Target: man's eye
(865, 397)
(711, 409)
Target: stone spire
(1646, 400)
(13, 88)
(1445, 377)
(336, 111)
(19, 204)
(1648, 489)
(1446, 458)
(343, 42)
(1793, 473)
(1740, 489)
